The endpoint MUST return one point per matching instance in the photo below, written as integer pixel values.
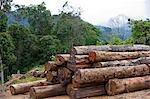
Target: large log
(101, 75)
(52, 76)
(38, 74)
(118, 86)
(74, 68)
(96, 56)
(130, 62)
(51, 66)
(64, 75)
(80, 93)
(25, 87)
(116, 63)
(114, 48)
(63, 58)
(47, 91)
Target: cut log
(38, 74)
(47, 91)
(74, 68)
(51, 66)
(62, 58)
(101, 75)
(79, 93)
(25, 87)
(64, 75)
(114, 48)
(80, 59)
(118, 86)
(130, 62)
(97, 56)
(52, 76)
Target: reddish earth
(144, 94)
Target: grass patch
(40, 68)
(28, 79)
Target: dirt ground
(144, 94)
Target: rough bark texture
(118, 86)
(80, 93)
(62, 58)
(38, 74)
(97, 56)
(74, 68)
(52, 76)
(47, 91)
(25, 87)
(51, 65)
(64, 75)
(113, 48)
(101, 75)
(130, 62)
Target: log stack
(96, 70)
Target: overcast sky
(99, 11)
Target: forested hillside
(36, 35)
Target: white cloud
(97, 11)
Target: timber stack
(93, 71)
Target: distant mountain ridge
(107, 32)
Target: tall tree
(25, 45)
(38, 17)
(141, 31)
(72, 30)
(7, 50)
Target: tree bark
(118, 86)
(130, 62)
(64, 75)
(38, 74)
(47, 91)
(51, 66)
(101, 75)
(25, 87)
(62, 58)
(74, 68)
(52, 76)
(80, 59)
(97, 56)
(80, 93)
(114, 48)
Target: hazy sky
(99, 11)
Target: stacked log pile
(96, 70)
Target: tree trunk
(114, 48)
(52, 76)
(97, 56)
(118, 86)
(51, 65)
(80, 93)
(101, 75)
(74, 68)
(62, 58)
(38, 74)
(130, 62)
(80, 59)
(64, 75)
(47, 91)
(25, 87)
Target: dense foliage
(23, 46)
(141, 31)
